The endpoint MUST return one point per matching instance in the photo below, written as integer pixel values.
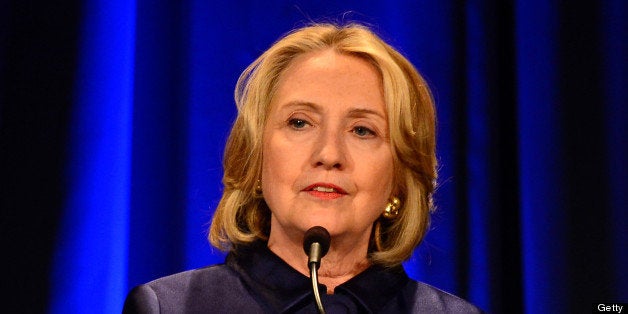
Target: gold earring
(392, 208)
(257, 192)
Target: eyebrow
(353, 112)
(298, 104)
(356, 112)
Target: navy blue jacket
(255, 280)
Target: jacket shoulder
(217, 288)
(424, 298)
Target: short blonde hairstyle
(242, 217)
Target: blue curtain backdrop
(130, 104)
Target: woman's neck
(343, 261)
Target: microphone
(316, 244)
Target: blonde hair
(242, 217)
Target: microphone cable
(316, 243)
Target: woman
(335, 128)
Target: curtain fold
(92, 250)
(614, 99)
(531, 212)
(543, 205)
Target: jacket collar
(282, 288)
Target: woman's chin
(333, 226)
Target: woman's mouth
(325, 191)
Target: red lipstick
(326, 191)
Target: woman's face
(327, 159)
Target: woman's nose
(329, 151)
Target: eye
(298, 123)
(362, 131)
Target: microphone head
(317, 234)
